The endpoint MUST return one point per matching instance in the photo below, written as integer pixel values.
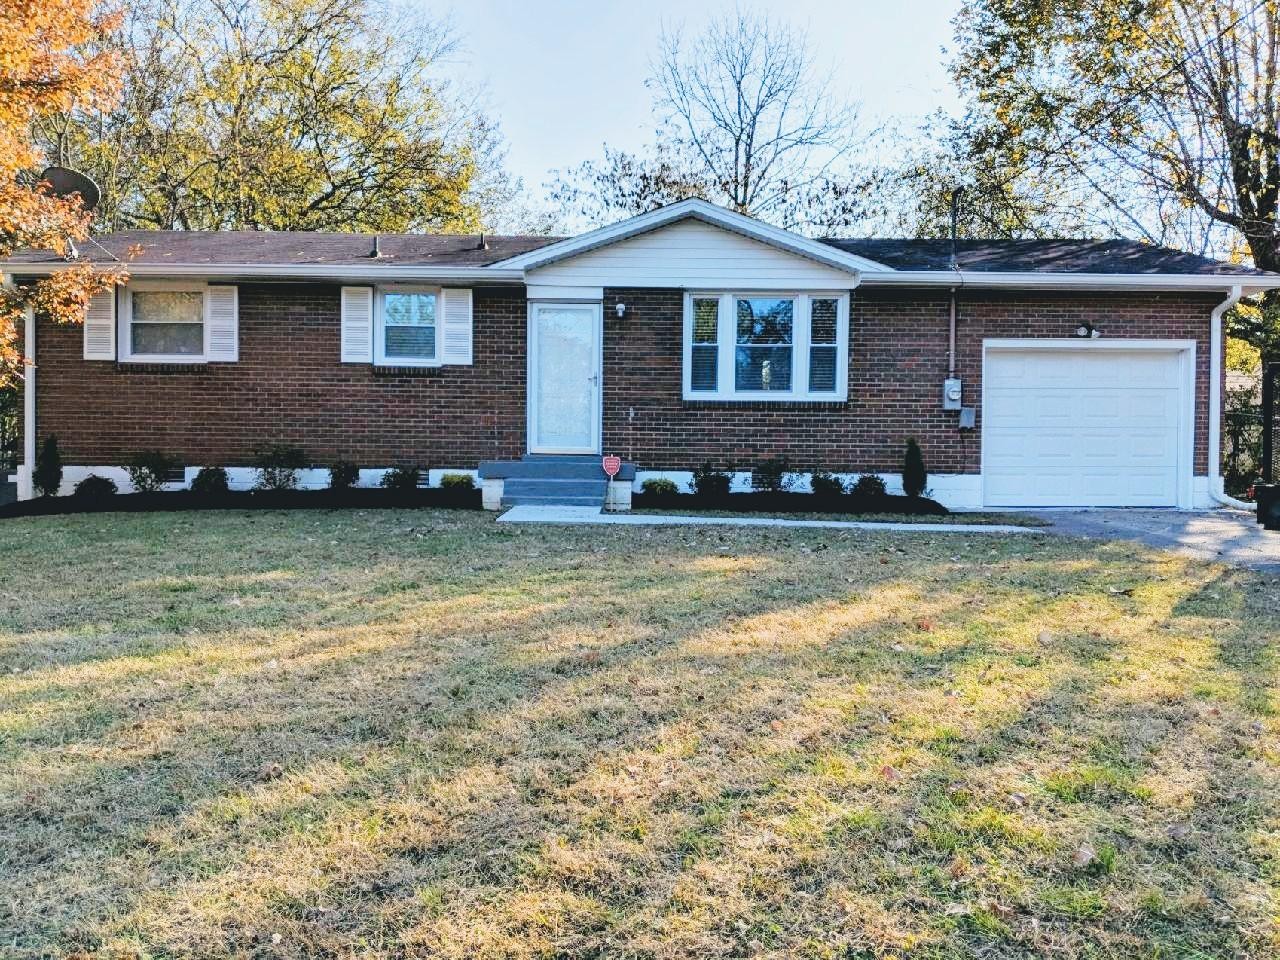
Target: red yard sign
(611, 466)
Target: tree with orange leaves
(51, 59)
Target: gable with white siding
(691, 254)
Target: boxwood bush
(660, 487)
(710, 482)
(94, 487)
(210, 481)
(825, 484)
(400, 479)
(343, 475)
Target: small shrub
(868, 485)
(343, 475)
(825, 484)
(210, 481)
(914, 477)
(710, 482)
(458, 481)
(660, 487)
(94, 487)
(149, 470)
(47, 476)
(278, 467)
(400, 479)
(771, 475)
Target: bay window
(766, 346)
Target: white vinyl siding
(760, 346)
(691, 254)
(100, 327)
(178, 322)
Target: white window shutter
(457, 327)
(222, 324)
(357, 325)
(100, 326)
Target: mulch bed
(791, 503)
(178, 500)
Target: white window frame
(124, 333)
(380, 358)
(727, 342)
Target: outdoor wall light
(1087, 331)
(620, 310)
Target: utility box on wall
(952, 393)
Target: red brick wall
(898, 359)
(290, 387)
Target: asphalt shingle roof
(295, 248)
(1037, 256)
(290, 248)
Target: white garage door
(1083, 427)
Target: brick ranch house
(1033, 373)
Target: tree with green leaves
(51, 60)
(283, 114)
(1157, 119)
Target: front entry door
(564, 378)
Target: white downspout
(1215, 402)
(26, 488)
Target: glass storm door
(564, 378)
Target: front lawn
(422, 734)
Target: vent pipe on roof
(483, 244)
(377, 247)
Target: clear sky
(565, 76)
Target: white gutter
(1066, 281)
(1215, 402)
(332, 272)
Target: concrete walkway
(529, 513)
(1228, 536)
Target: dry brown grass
(415, 734)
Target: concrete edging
(592, 515)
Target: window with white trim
(766, 346)
(178, 322)
(407, 326)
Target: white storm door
(565, 359)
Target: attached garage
(1099, 423)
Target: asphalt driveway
(1230, 536)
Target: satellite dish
(67, 183)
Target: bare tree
(744, 119)
(744, 98)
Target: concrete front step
(551, 481)
(553, 487)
